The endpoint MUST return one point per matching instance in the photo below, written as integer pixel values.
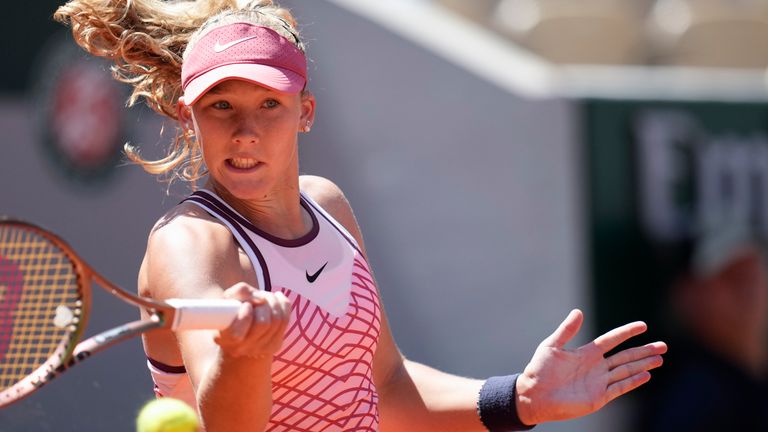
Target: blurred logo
(79, 112)
(694, 181)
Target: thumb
(566, 331)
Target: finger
(617, 336)
(627, 385)
(276, 336)
(262, 315)
(260, 326)
(239, 291)
(636, 353)
(271, 338)
(239, 327)
(255, 342)
(258, 297)
(271, 304)
(278, 309)
(633, 368)
(566, 331)
(285, 304)
(244, 292)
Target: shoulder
(324, 192)
(187, 241)
(185, 223)
(331, 198)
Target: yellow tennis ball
(166, 415)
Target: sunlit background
(508, 160)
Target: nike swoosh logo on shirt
(219, 48)
(312, 278)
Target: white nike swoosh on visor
(219, 48)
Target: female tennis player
(311, 349)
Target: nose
(246, 130)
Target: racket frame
(71, 350)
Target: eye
(271, 103)
(222, 105)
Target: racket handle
(196, 314)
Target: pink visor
(243, 51)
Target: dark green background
(630, 271)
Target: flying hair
(147, 40)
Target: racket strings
(38, 285)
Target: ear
(307, 117)
(184, 113)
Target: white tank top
(322, 377)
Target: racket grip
(197, 314)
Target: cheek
(210, 130)
(280, 129)
(204, 125)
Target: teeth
(243, 163)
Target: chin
(248, 192)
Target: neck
(278, 213)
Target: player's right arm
(191, 255)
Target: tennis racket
(45, 297)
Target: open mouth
(242, 163)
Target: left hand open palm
(561, 383)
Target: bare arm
(416, 397)
(559, 383)
(192, 256)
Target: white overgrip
(196, 314)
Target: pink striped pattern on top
(322, 379)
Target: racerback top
(322, 376)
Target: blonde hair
(147, 41)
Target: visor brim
(278, 79)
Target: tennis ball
(166, 415)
